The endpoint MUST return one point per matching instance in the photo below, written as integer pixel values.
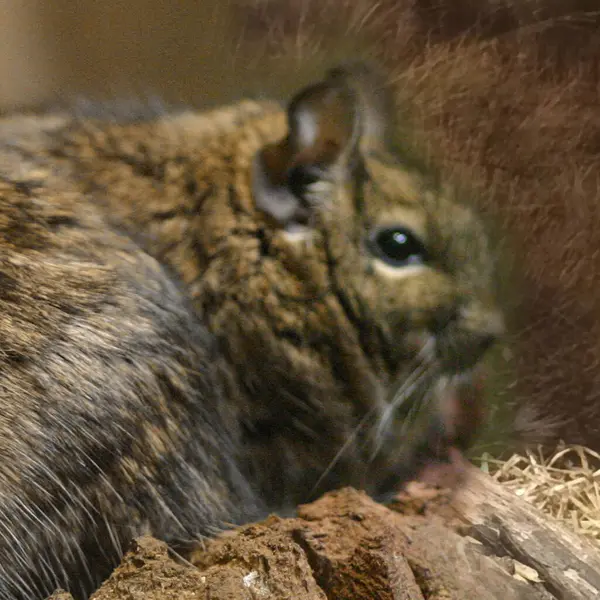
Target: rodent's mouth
(431, 427)
(461, 407)
(443, 406)
(434, 411)
(441, 462)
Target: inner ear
(319, 151)
(323, 125)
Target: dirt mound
(344, 546)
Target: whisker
(423, 401)
(416, 378)
(421, 370)
(398, 396)
(343, 449)
(401, 394)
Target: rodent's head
(345, 286)
(404, 265)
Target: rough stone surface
(342, 547)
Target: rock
(345, 546)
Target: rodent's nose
(467, 336)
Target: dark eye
(397, 246)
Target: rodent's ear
(375, 100)
(292, 177)
(329, 125)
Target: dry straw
(564, 484)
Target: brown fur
(173, 359)
(507, 96)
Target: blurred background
(503, 93)
(61, 49)
(186, 51)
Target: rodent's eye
(397, 246)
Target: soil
(343, 546)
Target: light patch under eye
(390, 272)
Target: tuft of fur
(195, 330)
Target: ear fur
(329, 125)
(376, 103)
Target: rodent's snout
(467, 335)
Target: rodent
(205, 317)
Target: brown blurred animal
(208, 316)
